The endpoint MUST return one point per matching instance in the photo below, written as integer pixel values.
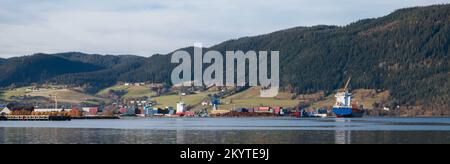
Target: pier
(34, 118)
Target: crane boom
(348, 82)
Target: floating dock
(34, 118)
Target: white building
(205, 103)
(5, 111)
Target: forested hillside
(406, 52)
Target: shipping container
(251, 110)
(189, 114)
(160, 111)
(285, 112)
(264, 110)
(277, 110)
(242, 110)
(148, 110)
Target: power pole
(56, 100)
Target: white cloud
(145, 27)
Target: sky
(147, 27)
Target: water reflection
(180, 133)
(120, 136)
(230, 131)
(343, 134)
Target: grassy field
(132, 91)
(366, 97)
(251, 98)
(171, 100)
(7, 94)
(63, 95)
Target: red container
(189, 114)
(264, 109)
(277, 110)
(297, 114)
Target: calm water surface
(230, 131)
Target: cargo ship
(344, 106)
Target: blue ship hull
(347, 112)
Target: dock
(34, 118)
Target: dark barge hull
(34, 118)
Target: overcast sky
(146, 27)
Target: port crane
(346, 84)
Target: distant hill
(39, 68)
(2, 60)
(406, 52)
(105, 61)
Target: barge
(34, 118)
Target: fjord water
(230, 131)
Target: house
(90, 110)
(205, 103)
(93, 111)
(139, 84)
(85, 109)
(131, 111)
(2, 107)
(123, 110)
(5, 111)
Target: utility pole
(56, 100)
